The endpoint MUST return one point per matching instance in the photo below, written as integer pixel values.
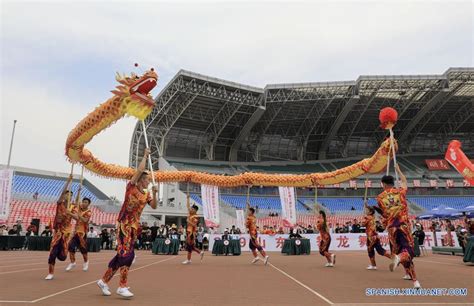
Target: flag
(6, 179)
(288, 205)
(210, 203)
(456, 157)
(240, 219)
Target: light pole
(11, 144)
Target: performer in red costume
(393, 204)
(136, 198)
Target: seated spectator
(419, 233)
(309, 230)
(3, 230)
(226, 236)
(46, 232)
(31, 230)
(338, 229)
(19, 228)
(14, 231)
(154, 231)
(174, 232)
(163, 232)
(92, 233)
(294, 233)
(280, 231)
(233, 230)
(355, 227)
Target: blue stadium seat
(429, 203)
(46, 186)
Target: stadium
(205, 124)
(209, 153)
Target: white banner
(339, 242)
(240, 219)
(6, 181)
(210, 203)
(288, 205)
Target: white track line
(45, 263)
(94, 281)
(83, 285)
(427, 303)
(301, 284)
(441, 263)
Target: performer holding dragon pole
(136, 198)
(191, 230)
(251, 224)
(373, 240)
(62, 229)
(325, 239)
(82, 214)
(393, 204)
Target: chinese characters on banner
(449, 183)
(416, 183)
(437, 164)
(353, 184)
(340, 242)
(210, 203)
(6, 179)
(288, 205)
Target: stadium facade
(212, 125)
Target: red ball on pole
(388, 118)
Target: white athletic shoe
(104, 287)
(85, 266)
(330, 265)
(370, 267)
(407, 277)
(49, 277)
(256, 259)
(394, 263)
(265, 261)
(70, 266)
(186, 262)
(416, 285)
(124, 292)
(134, 259)
(202, 255)
(333, 259)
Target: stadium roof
(201, 117)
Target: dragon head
(135, 92)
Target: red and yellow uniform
(79, 240)
(325, 241)
(373, 240)
(191, 230)
(128, 224)
(394, 208)
(251, 224)
(61, 234)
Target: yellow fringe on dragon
(132, 97)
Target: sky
(58, 59)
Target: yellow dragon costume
(132, 98)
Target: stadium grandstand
(206, 124)
(35, 192)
